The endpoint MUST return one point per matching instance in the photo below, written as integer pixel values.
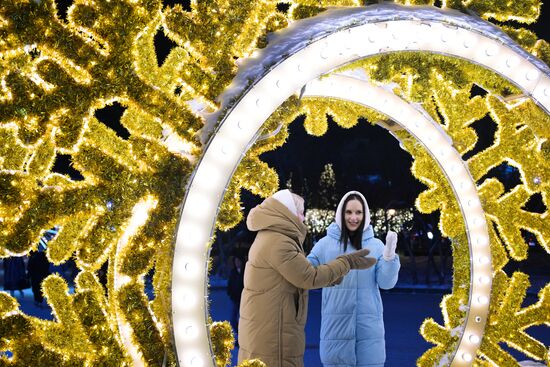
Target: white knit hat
(285, 198)
(340, 207)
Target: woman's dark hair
(352, 237)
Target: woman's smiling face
(353, 214)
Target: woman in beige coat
(277, 276)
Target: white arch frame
(309, 49)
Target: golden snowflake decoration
(56, 74)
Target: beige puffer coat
(274, 300)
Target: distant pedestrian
(235, 287)
(15, 277)
(352, 325)
(38, 269)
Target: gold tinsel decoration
(222, 342)
(55, 74)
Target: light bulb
(483, 260)
(482, 300)
(512, 61)
(491, 50)
(531, 74)
(482, 240)
(197, 362)
(484, 279)
(191, 331)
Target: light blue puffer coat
(352, 325)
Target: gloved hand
(357, 259)
(391, 244)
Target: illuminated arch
(307, 50)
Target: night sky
(365, 158)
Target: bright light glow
(186, 297)
(197, 362)
(474, 339)
(483, 260)
(467, 357)
(482, 240)
(482, 300)
(315, 58)
(140, 214)
(484, 279)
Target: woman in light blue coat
(352, 325)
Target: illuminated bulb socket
(483, 260)
(444, 152)
(474, 339)
(430, 137)
(531, 75)
(512, 61)
(467, 357)
(484, 279)
(468, 43)
(191, 331)
(482, 300)
(482, 241)
(190, 268)
(197, 362)
(476, 221)
(464, 185)
(491, 50)
(455, 167)
(188, 299)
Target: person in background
(15, 277)
(235, 285)
(352, 324)
(38, 269)
(277, 276)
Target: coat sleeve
(315, 256)
(387, 271)
(295, 267)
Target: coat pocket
(299, 304)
